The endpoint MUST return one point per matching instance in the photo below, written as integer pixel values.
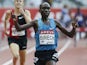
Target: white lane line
(28, 51)
(8, 62)
(4, 48)
(64, 47)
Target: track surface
(71, 56)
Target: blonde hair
(15, 0)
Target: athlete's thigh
(51, 62)
(14, 48)
(22, 54)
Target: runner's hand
(74, 25)
(6, 33)
(21, 10)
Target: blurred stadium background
(72, 51)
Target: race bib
(47, 37)
(17, 33)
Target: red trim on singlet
(11, 25)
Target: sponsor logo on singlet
(21, 17)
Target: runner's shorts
(22, 42)
(41, 57)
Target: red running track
(71, 56)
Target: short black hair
(43, 3)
